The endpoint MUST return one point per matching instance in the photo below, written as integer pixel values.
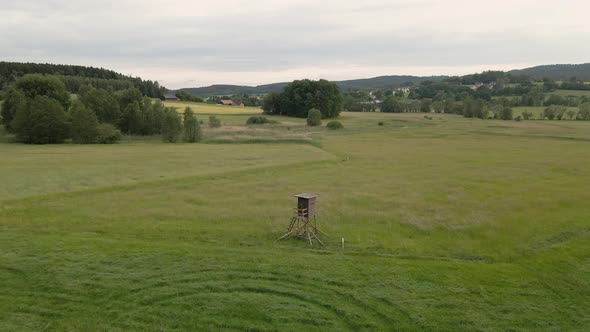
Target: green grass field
(450, 224)
(576, 93)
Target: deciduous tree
(84, 124)
(171, 126)
(192, 129)
(42, 121)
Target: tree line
(493, 98)
(471, 107)
(76, 76)
(39, 110)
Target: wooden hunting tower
(306, 204)
(304, 223)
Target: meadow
(576, 93)
(449, 224)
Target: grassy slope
(450, 224)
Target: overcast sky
(186, 43)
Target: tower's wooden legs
(302, 226)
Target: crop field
(448, 224)
(204, 108)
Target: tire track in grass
(280, 285)
(208, 290)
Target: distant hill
(386, 82)
(226, 89)
(556, 72)
(381, 82)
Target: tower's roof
(306, 195)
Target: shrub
(314, 117)
(527, 115)
(253, 120)
(425, 105)
(334, 125)
(108, 134)
(84, 124)
(553, 112)
(381, 123)
(518, 118)
(584, 113)
(214, 122)
(571, 114)
(505, 113)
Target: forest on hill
(561, 72)
(75, 77)
(581, 72)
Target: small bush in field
(314, 118)
(334, 125)
(527, 115)
(108, 134)
(253, 120)
(214, 122)
(381, 123)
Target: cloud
(255, 42)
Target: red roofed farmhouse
(228, 102)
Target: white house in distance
(404, 89)
(478, 85)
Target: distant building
(170, 96)
(478, 85)
(228, 102)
